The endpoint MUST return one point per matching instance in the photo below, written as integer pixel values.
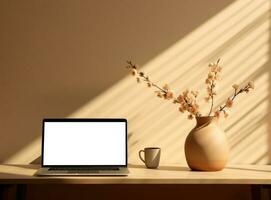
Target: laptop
(84, 147)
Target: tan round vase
(206, 147)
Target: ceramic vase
(206, 146)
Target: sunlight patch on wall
(240, 36)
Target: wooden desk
(259, 176)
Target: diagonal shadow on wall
(240, 36)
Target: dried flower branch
(164, 91)
(229, 103)
(211, 83)
(187, 100)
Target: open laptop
(84, 147)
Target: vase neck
(204, 121)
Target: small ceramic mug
(151, 156)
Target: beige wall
(57, 55)
(239, 34)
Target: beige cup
(151, 156)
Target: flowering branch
(211, 83)
(187, 100)
(229, 103)
(163, 91)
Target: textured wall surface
(67, 58)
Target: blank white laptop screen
(84, 143)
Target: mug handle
(139, 153)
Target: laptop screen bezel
(84, 120)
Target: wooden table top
(173, 174)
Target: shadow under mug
(151, 156)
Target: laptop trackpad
(82, 172)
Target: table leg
(8, 191)
(260, 192)
(21, 192)
(256, 192)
